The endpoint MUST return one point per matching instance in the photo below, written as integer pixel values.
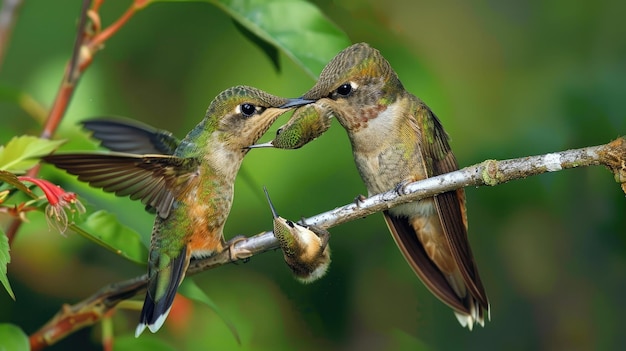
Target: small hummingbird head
(360, 81)
(305, 253)
(284, 231)
(306, 124)
(241, 115)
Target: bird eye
(247, 110)
(290, 223)
(345, 89)
(279, 130)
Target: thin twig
(490, 172)
(87, 44)
(70, 78)
(85, 313)
(56, 113)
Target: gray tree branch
(489, 172)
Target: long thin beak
(256, 146)
(267, 195)
(296, 102)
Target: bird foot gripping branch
(235, 253)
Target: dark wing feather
(124, 135)
(163, 283)
(449, 204)
(412, 249)
(155, 180)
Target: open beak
(296, 102)
(255, 146)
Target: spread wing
(155, 180)
(125, 135)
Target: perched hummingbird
(305, 248)
(306, 124)
(397, 139)
(191, 188)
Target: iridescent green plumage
(191, 186)
(306, 124)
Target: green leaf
(5, 259)
(22, 152)
(296, 27)
(104, 229)
(12, 338)
(270, 50)
(190, 289)
(10, 178)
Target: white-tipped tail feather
(154, 327)
(476, 316)
(140, 328)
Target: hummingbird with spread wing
(397, 139)
(188, 182)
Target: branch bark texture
(489, 172)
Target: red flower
(59, 201)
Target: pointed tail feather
(476, 314)
(468, 309)
(162, 287)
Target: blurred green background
(507, 79)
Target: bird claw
(358, 200)
(236, 254)
(302, 222)
(323, 234)
(400, 187)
